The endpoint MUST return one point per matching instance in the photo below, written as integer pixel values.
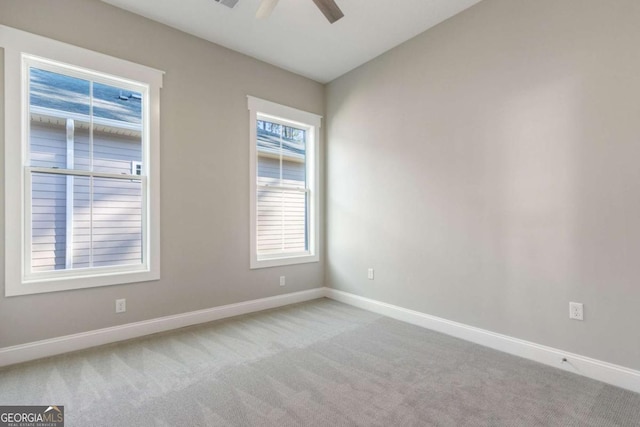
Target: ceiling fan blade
(265, 8)
(330, 9)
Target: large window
(284, 185)
(81, 151)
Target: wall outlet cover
(576, 311)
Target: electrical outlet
(370, 274)
(121, 305)
(576, 311)
(282, 280)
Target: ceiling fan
(329, 8)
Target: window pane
(73, 228)
(81, 147)
(269, 221)
(281, 221)
(268, 171)
(281, 154)
(117, 151)
(117, 222)
(61, 109)
(48, 218)
(114, 103)
(81, 223)
(293, 173)
(117, 137)
(58, 92)
(282, 225)
(59, 106)
(295, 224)
(293, 156)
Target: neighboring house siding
(117, 209)
(117, 204)
(48, 149)
(117, 221)
(275, 234)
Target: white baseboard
(598, 370)
(602, 371)
(51, 347)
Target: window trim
(312, 122)
(19, 45)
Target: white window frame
(290, 117)
(19, 48)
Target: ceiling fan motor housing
(229, 3)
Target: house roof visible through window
(108, 102)
(269, 143)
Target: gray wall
(205, 175)
(488, 171)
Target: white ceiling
(296, 36)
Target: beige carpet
(320, 363)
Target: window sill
(39, 286)
(257, 263)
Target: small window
(136, 168)
(284, 185)
(83, 141)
